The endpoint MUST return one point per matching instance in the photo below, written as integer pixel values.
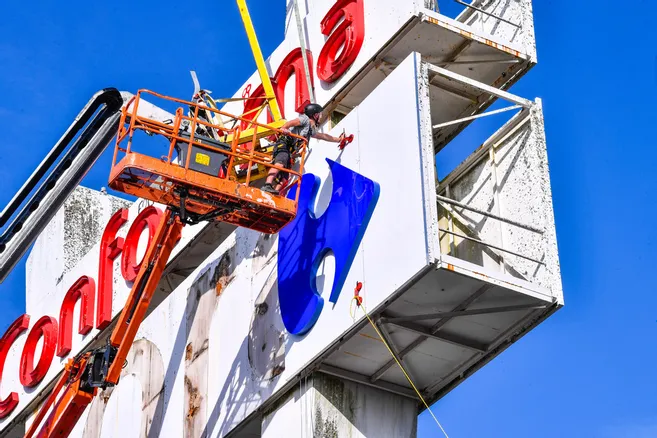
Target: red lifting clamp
(345, 140)
(357, 297)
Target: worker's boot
(269, 189)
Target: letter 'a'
(305, 241)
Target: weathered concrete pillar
(328, 407)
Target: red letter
(84, 289)
(349, 35)
(110, 248)
(16, 328)
(148, 218)
(256, 99)
(31, 375)
(293, 64)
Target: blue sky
(589, 371)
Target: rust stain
(189, 351)
(369, 337)
(194, 403)
(477, 38)
(222, 275)
(348, 353)
(277, 370)
(486, 277)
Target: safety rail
(217, 167)
(463, 11)
(242, 150)
(454, 216)
(510, 22)
(470, 8)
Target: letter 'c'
(21, 324)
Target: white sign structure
(214, 352)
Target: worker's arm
(285, 129)
(327, 137)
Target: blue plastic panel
(305, 241)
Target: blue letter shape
(305, 241)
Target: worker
(304, 126)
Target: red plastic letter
(293, 64)
(349, 35)
(15, 329)
(84, 289)
(256, 99)
(148, 218)
(110, 248)
(31, 375)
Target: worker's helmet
(312, 109)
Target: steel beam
(453, 339)
(395, 351)
(410, 347)
(486, 311)
(364, 380)
(489, 214)
(516, 123)
(464, 305)
(499, 248)
(459, 51)
(456, 93)
(479, 85)
(439, 388)
(476, 116)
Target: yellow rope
(394, 356)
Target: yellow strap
(394, 356)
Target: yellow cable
(394, 356)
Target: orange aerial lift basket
(212, 169)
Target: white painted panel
(121, 418)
